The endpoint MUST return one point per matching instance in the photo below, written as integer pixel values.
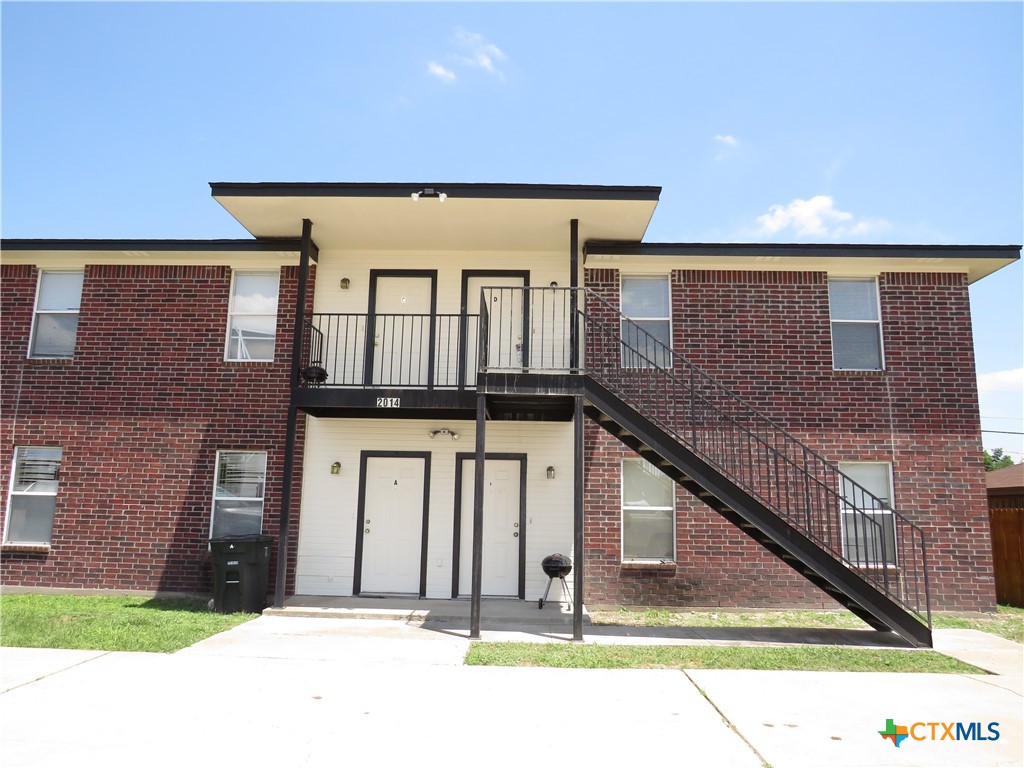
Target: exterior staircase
(774, 488)
(777, 490)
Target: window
(55, 324)
(33, 495)
(648, 512)
(869, 536)
(252, 316)
(647, 340)
(238, 493)
(856, 325)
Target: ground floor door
(503, 534)
(391, 525)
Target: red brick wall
(766, 336)
(140, 413)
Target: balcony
(411, 366)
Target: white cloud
(477, 52)
(442, 73)
(1002, 381)
(725, 138)
(817, 217)
(468, 51)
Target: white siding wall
(347, 336)
(327, 528)
(356, 265)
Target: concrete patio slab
(493, 612)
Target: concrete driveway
(285, 691)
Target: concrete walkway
(314, 691)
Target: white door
(392, 525)
(501, 529)
(505, 324)
(401, 331)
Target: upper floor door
(401, 328)
(507, 346)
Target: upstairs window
(869, 534)
(238, 493)
(55, 324)
(648, 512)
(33, 496)
(647, 337)
(252, 316)
(856, 325)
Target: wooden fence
(1006, 515)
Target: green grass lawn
(109, 623)
(816, 658)
(1006, 622)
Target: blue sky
(768, 122)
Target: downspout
(307, 251)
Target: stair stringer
(754, 518)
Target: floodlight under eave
(428, 192)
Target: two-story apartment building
(424, 390)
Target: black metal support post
(286, 498)
(574, 283)
(577, 519)
(478, 516)
(307, 251)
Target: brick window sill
(25, 549)
(248, 365)
(649, 566)
(856, 374)
(49, 360)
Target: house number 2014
(389, 402)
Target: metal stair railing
(858, 529)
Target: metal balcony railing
(530, 330)
(390, 351)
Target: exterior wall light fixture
(336, 468)
(344, 283)
(443, 432)
(428, 192)
(551, 473)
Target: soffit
(397, 223)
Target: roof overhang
(473, 217)
(977, 261)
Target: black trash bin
(240, 568)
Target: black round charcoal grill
(556, 567)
